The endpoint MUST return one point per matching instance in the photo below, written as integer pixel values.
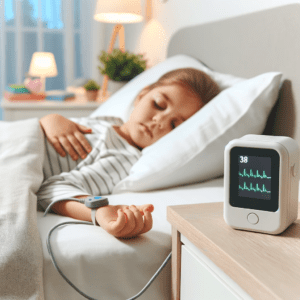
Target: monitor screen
(254, 178)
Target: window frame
(68, 32)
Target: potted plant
(120, 67)
(92, 89)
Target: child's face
(158, 112)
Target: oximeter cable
(64, 276)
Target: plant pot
(92, 95)
(114, 86)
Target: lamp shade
(43, 64)
(118, 11)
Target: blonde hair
(196, 81)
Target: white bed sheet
(105, 267)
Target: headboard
(249, 45)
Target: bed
(104, 267)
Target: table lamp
(117, 12)
(43, 65)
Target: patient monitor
(261, 178)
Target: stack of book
(59, 95)
(20, 92)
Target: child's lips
(147, 130)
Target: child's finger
(148, 222)
(130, 224)
(84, 129)
(68, 147)
(115, 226)
(147, 225)
(58, 148)
(148, 207)
(83, 141)
(77, 146)
(139, 223)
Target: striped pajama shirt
(107, 164)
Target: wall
(152, 37)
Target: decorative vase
(92, 95)
(114, 86)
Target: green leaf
(121, 66)
(92, 85)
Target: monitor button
(252, 218)
(294, 170)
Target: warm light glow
(118, 18)
(43, 64)
(118, 11)
(153, 41)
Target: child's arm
(63, 134)
(119, 220)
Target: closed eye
(158, 106)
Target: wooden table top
(265, 266)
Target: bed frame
(249, 45)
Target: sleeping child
(108, 148)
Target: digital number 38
(244, 159)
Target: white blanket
(21, 256)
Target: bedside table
(19, 110)
(210, 260)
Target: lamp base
(117, 31)
(43, 81)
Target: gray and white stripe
(107, 164)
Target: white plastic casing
(268, 222)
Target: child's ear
(142, 93)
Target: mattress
(105, 267)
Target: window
(62, 27)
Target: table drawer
(202, 279)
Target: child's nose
(162, 120)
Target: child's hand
(65, 134)
(125, 221)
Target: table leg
(176, 264)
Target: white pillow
(120, 104)
(194, 151)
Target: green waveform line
(264, 176)
(257, 189)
